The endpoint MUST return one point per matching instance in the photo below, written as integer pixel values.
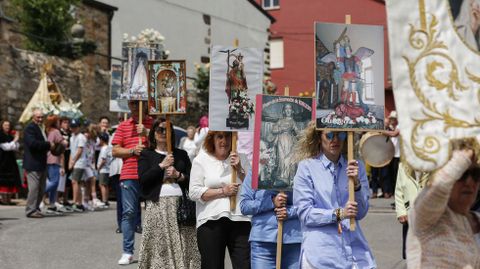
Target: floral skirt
(165, 244)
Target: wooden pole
(169, 134)
(286, 92)
(125, 116)
(351, 180)
(140, 118)
(233, 199)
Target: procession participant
(320, 193)
(9, 174)
(35, 162)
(441, 216)
(409, 184)
(164, 240)
(211, 187)
(126, 146)
(267, 207)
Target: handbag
(57, 149)
(186, 210)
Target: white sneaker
(98, 204)
(125, 259)
(42, 206)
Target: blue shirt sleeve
(251, 204)
(361, 196)
(304, 200)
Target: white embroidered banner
(436, 76)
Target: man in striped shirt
(130, 139)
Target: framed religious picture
(236, 76)
(278, 124)
(349, 77)
(135, 80)
(167, 91)
(117, 104)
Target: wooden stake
(286, 91)
(233, 199)
(351, 180)
(279, 241)
(125, 116)
(169, 134)
(140, 118)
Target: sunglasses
(340, 135)
(161, 130)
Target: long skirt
(165, 243)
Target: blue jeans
(53, 171)
(115, 180)
(263, 255)
(130, 203)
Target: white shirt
(116, 163)
(76, 142)
(396, 144)
(190, 147)
(209, 172)
(9, 146)
(169, 189)
(105, 154)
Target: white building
(190, 27)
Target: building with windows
(292, 46)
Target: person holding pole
(129, 141)
(210, 186)
(164, 240)
(320, 193)
(267, 208)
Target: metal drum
(376, 149)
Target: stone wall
(20, 73)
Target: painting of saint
(466, 19)
(278, 127)
(167, 91)
(236, 76)
(349, 68)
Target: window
(276, 53)
(367, 77)
(271, 4)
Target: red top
(126, 136)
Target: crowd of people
(138, 162)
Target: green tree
(46, 24)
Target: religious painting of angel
(349, 76)
(278, 124)
(167, 92)
(236, 76)
(135, 80)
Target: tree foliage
(46, 25)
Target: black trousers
(216, 235)
(404, 236)
(389, 184)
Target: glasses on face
(340, 135)
(161, 130)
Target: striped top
(126, 137)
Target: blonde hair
(308, 145)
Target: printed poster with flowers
(236, 76)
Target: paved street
(88, 240)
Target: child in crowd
(103, 165)
(91, 201)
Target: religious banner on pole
(167, 92)
(349, 78)
(117, 104)
(278, 124)
(236, 76)
(434, 54)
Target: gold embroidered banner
(435, 59)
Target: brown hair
(51, 123)
(209, 143)
(92, 131)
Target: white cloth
(396, 144)
(61, 183)
(200, 136)
(140, 80)
(76, 142)
(105, 155)
(9, 146)
(190, 147)
(170, 190)
(429, 114)
(209, 172)
(115, 163)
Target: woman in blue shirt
(320, 192)
(267, 207)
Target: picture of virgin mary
(139, 84)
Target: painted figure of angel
(285, 132)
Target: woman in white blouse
(210, 186)
(9, 174)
